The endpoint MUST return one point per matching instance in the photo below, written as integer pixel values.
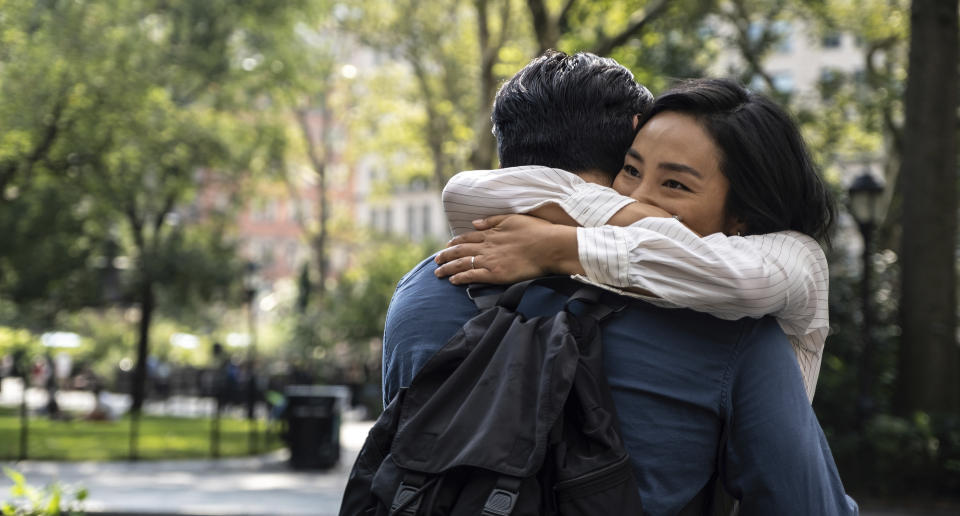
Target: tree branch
(168, 203)
(47, 138)
(436, 125)
(753, 51)
(563, 21)
(504, 24)
(136, 224)
(541, 24)
(874, 79)
(609, 44)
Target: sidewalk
(258, 486)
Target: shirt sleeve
(476, 194)
(782, 274)
(809, 352)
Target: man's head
(571, 112)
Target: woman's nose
(644, 193)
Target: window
(780, 33)
(831, 40)
(783, 82)
(783, 32)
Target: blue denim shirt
(677, 377)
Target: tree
(126, 107)
(929, 356)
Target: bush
(47, 501)
(886, 455)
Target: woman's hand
(508, 249)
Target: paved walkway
(259, 486)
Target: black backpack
(513, 416)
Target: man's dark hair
(774, 185)
(570, 112)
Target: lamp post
(250, 286)
(865, 194)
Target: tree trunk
(147, 303)
(545, 27)
(436, 124)
(320, 244)
(929, 356)
(318, 161)
(484, 146)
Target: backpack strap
(475, 291)
(503, 497)
(406, 501)
(598, 304)
(511, 297)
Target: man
(679, 378)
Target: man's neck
(594, 176)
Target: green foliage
(345, 330)
(13, 340)
(46, 501)
(363, 293)
(885, 454)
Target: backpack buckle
(406, 501)
(499, 503)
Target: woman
(747, 204)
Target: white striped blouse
(783, 274)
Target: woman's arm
(783, 274)
(549, 193)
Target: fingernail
(478, 221)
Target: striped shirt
(783, 274)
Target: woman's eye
(676, 185)
(631, 170)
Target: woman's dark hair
(774, 185)
(573, 112)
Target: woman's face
(674, 164)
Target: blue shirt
(677, 376)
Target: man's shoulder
(421, 286)
(427, 266)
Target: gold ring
(473, 262)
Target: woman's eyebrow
(680, 167)
(635, 154)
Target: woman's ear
(735, 226)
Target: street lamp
(864, 196)
(251, 283)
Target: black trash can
(313, 424)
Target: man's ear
(636, 121)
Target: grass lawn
(160, 438)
